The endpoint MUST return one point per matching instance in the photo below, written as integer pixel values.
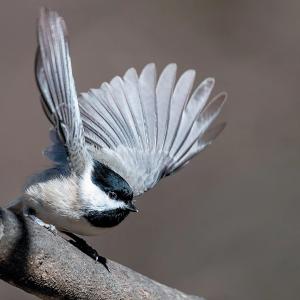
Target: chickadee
(114, 142)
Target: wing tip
(131, 72)
(46, 13)
(149, 68)
(220, 99)
(190, 72)
(171, 67)
(47, 17)
(210, 81)
(213, 132)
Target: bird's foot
(83, 246)
(38, 221)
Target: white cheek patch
(93, 197)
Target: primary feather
(56, 83)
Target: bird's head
(107, 196)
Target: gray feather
(55, 79)
(164, 91)
(199, 145)
(145, 130)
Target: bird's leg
(82, 245)
(38, 221)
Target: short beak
(132, 207)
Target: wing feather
(132, 93)
(202, 123)
(116, 89)
(193, 107)
(178, 101)
(98, 125)
(56, 83)
(147, 84)
(117, 115)
(156, 127)
(203, 141)
(164, 91)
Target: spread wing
(59, 99)
(146, 129)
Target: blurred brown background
(227, 226)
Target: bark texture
(46, 265)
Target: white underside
(62, 201)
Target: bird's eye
(112, 195)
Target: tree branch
(46, 265)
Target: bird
(114, 142)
